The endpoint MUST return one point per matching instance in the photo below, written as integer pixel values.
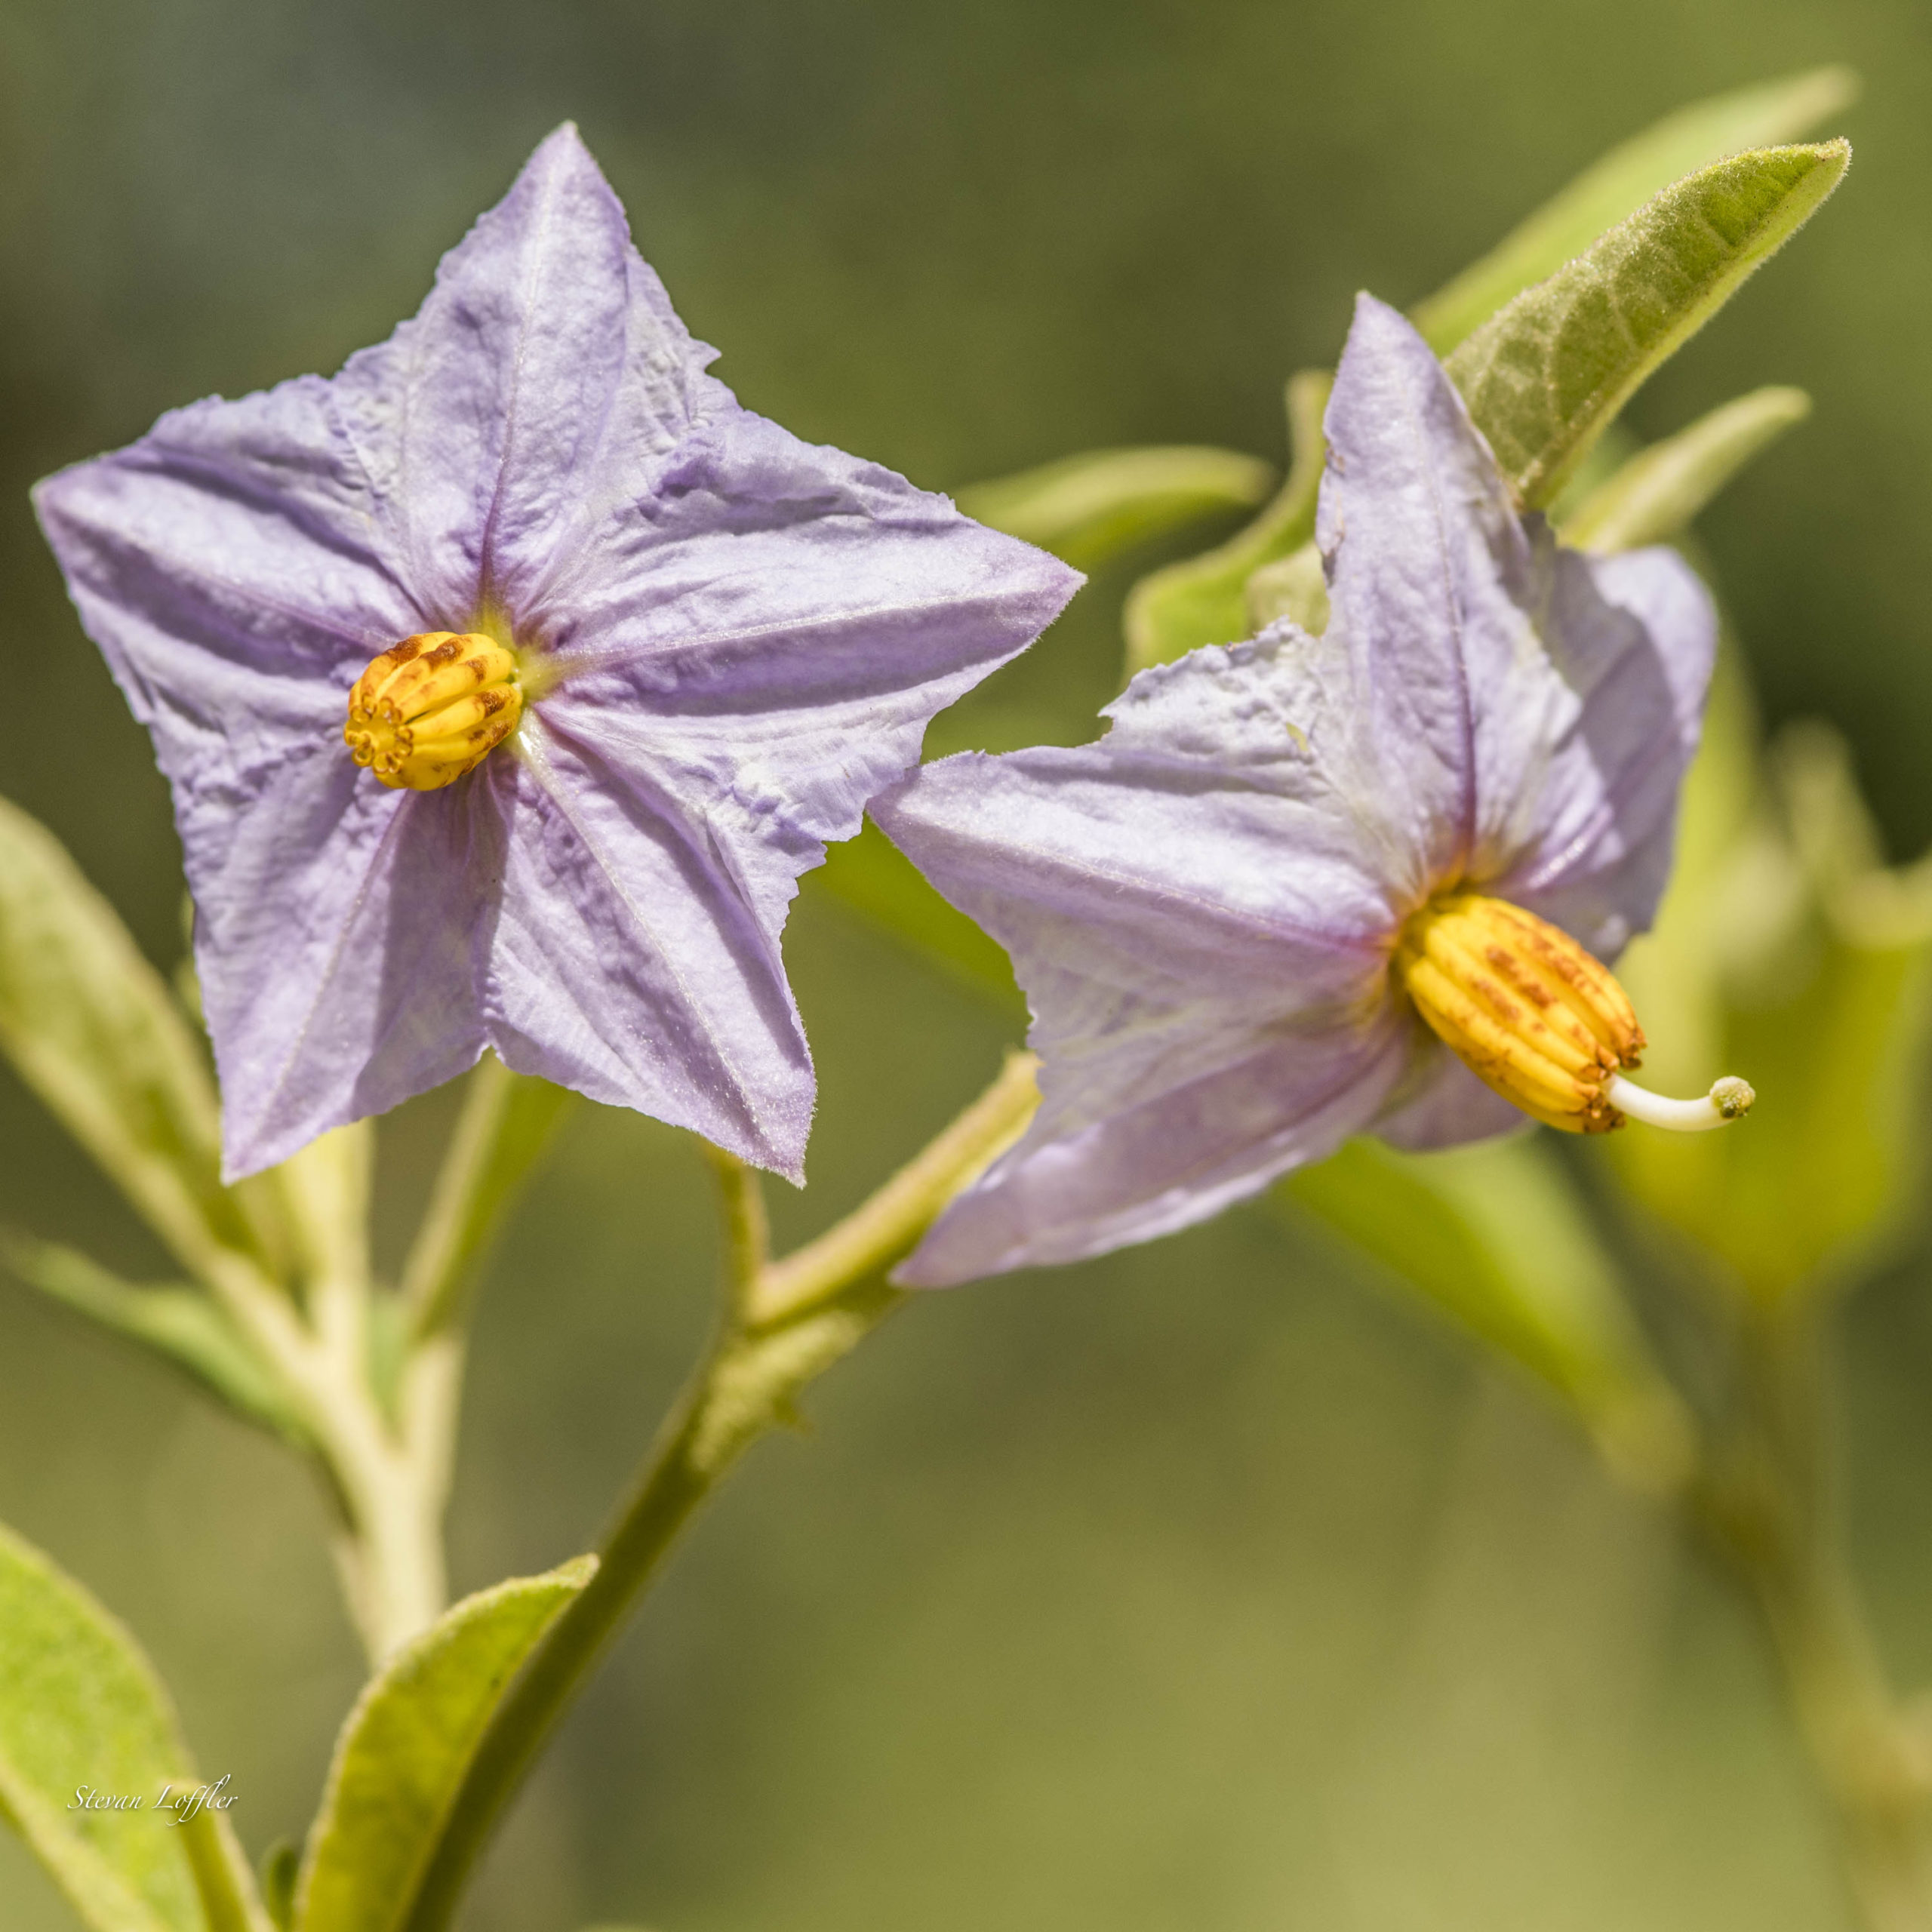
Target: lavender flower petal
(1431, 573)
(626, 963)
(336, 950)
(1078, 1185)
(1156, 866)
(750, 635)
(779, 623)
(1635, 636)
(532, 395)
(1201, 929)
(1441, 1103)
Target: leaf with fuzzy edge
(1089, 508)
(93, 1029)
(1659, 492)
(1203, 599)
(1546, 375)
(180, 1324)
(1622, 182)
(80, 1706)
(401, 1757)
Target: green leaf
(1658, 494)
(1545, 375)
(1619, 184)
(1798, 959)
(1493, 1237)
(1088, 508)
(507, 1123)
(281, 1865)
(401, 1756)
(870, 876)
(180, 1325)
(81, 1709)
(1296, 587)
(92, 1029)
(1203, 599)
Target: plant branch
(886, 1227)
(786, 1323)
(432, 1275)
(747, 1231)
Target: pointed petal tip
(564, 156)
(245, 1153)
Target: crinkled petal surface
(1533, 709)
(1199, 915)
(1201, 907)
(753, 634)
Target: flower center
(431, 708)
(1538, 1019)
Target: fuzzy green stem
(786, 1323)
(882, 1232)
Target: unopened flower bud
(431, 708)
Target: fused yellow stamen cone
(1538, 1019)
(431, 708)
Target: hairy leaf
(1203, 599)
(82, 1713)
(1546, 375)
(1492, 1236)
(1622, 182)
(1088, 508)
(179, 1324)
(401, 1756)
(1657, 494)
(93, 1029)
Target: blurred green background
(1204, 1588)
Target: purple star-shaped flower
(1206, 907)
(729, 640)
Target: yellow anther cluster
(1535, 1016)
(431, 708)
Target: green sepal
(1622, 182)
(1089, 508)
(93, 1029)
(81, 1706)
(401, 1758)
(1493, 1237)
(1547, 373)
(180, 1325)
(870, 876)
(1657, 494)
(1203, 599)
